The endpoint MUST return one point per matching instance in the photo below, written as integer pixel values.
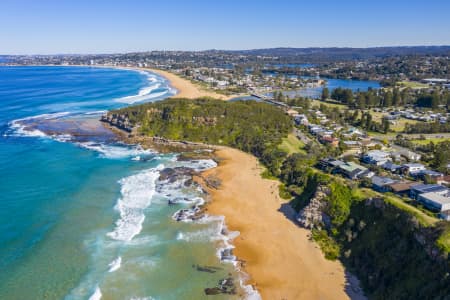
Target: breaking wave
(137, 191)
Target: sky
(117, 26)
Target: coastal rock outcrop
(225, 286)
(313, 215)
(120, 121)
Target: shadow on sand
(352, 287)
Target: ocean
(87, 217)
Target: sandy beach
(187, 89)
(279, 257)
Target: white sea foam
(115, 264)
(97, 295)
(147, 92)
(251, 293)
(143, 94)
(137, 191)
(19, 126)
(116, 151)
(97, 112)
(203, 164)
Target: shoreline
(184, 88)
(278, 256)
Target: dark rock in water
(189, 214)
(174, 174)
(225, 286)
(176, 201)
(188, 182)
(227, 254)
(207, 269)
(213, 291)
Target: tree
(388, 99)
(361, 101)
(325, 94)
(385, 125)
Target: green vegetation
(396, 250)
(412, 84)
(339, 203)
(329, 247)
(429, 140)
(291, 144)
(424, 219)
(443, 242)
(253, 127)
(391, 256)
(284, 192)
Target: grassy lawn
(412, 84)
(400, 123)
(328, 103)
(421, 216)
(429, 140)
(291, 144)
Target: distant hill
(312, 54)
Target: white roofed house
(409, 155)
(439, 202)
(376, 157)
(413, 168)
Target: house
(352, 170)
(435, 201)
(353, 132)
(334, 142)
(424, 174)
(412, 168)
(409, 155)
(444, 180)
(402, 188)
(329, 164)
(382, 184)
(419, 189)
(445, 215)
(391, 167)
(376, 157)
(301, 119)
(353, 146)
(292, 113)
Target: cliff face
(313, 215)
(120, 121)
(393, 257)
(386, 248)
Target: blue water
(80, 220)
(331, 84)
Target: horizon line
(232, 50)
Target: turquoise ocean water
(89, 219)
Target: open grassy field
(328, 103)
(412, 84)
(291, 144)
(429, 140)
(399, 125)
